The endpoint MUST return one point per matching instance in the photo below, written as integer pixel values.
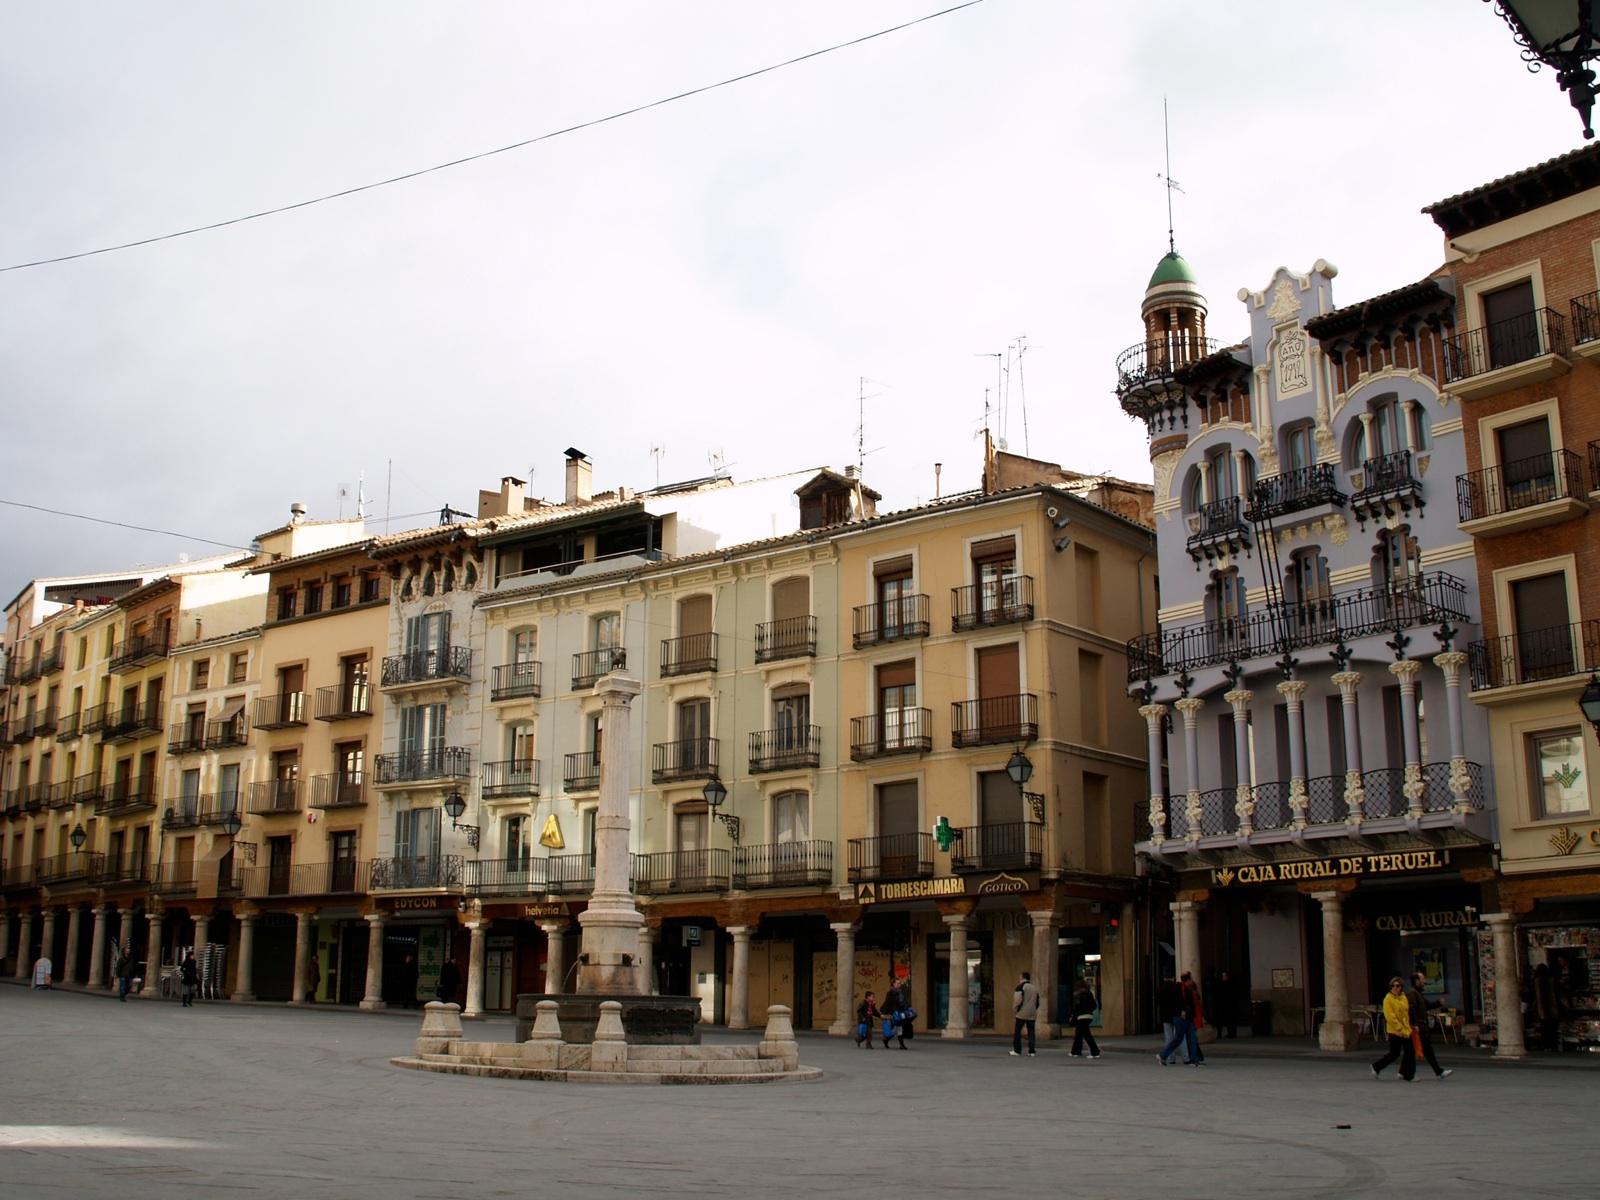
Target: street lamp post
(1020, 768)
(454, 806)
(77, 837)
(1561, 34)
(715, 793)
(1589, 703)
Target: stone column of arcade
(1186, 935)
(1336, 1032)
(1047, 968)
(647, 959)
(1355, 796)
(69, 969)
(844, 974)
(739, 1009)
(244, 978)
(47, 941)
(5, 933)
(24, 944)
(97, 948)
(302, 958)
(1507, 992)
(1405, 672)
(476, 928)
(124, 932)
(373, 1000)
(1244, 802)
(1190, 707)
(606, 965)
(152, 954)
(955, 1025)
(1451, 662)
(555, 959)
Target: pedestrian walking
(1191, 988)
(866, 1015)
(449, 982)
(1169, 1002)
(313, 978)
(1421, 1044)
(1084, 1005)
(897, 1015)
(1546, 1011)
(124, 975)
(1225, 1006)
(43, 972)
(189, 975)
(1027, 1014)
(1183, 1026)
(1397, 1023)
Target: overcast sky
(713, 276)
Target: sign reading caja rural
(1342, 867)
(944, 887)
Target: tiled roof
(1386, 304)
(1522, 191)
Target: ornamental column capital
(1293, 691)
(1190, 707)
(1451, 662)
(1240, 699)
(1405, 670)
(1152, 712)
(1347, 681)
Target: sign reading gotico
(1342, 867)
(945, 887)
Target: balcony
(1537, 656)
(898, 731)
(581, 771)
(87, 789)
(422, 766)
(131, 722)
(174, 879)
(896, 856)
(44, 723)
(69, 729)
(515, 681)
(689, 655)
(892, 621)
(431, 871)
(274, 797)
(345, 878)
(137, 650)
(1507, 354)
(1294, 491)
(196, 812)
(570, 874)
(589, 665)
(682, 871)
(81, 866)
(60, 795)
(1011, 846)
(783, 865)
(124, 797)
(338, 791)
(1145, 385)
(998, 602)
(1389, 487)
(1323, 621)
(231, 731)
(510, 777)
(507, 877)
(51, 661)
(790, 749)
(1218, 529)
(14, 878)
(35, 796)
(417, 668)
(344, 702)
(787, 637)
(286, 710)
(692, 758)
(19, 731)
(1523, 494)
(22, 670)
(187, 737)
(96, 719)
(994, 719)
(130, 868)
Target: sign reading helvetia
(1302, 870)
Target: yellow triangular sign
(551, 836)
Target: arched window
(1308, 590)
(1397, 560)
(1225, 609)
(1299, 447)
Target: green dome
(1172, 269)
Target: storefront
(418, 937)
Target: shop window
(1559, 780)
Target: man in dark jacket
(1169, 1002)
(1084, 1005)
(1418, 1004)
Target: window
(422, 728)
(286, 603)
(892, 587)
(514, 837)
(83, 652)
(228, 788)
(342, 857)
(897, 704)
(370, 586)
(313, 598)
(1398, 560)
(238, 663)
(194, 724)
(524, 645)
(1510, 323)
(1543, 634)
(994, 570)
(428, 633)
(1299, 450)
(898, 824)
(341, 592)
(291, 693)
(691, 827)
(1527, 467)
(606, 631)
(791, 817)
(189, 799)
(1309, 590)
(416, 840)
(1556, 764)
(1225, 608)
(791, 719)
(202, 675)
(350, 759)
(1224, 480)
(355, 683)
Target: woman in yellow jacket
(1397, 1021)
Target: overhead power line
(456, 162)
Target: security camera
(1060, 522)
(1061, 543)
(1052, 512)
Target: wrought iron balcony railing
(507, 876)
(992, 719)
(69, 727)
(1559, 652)
(346, 877)
(52, 661)
(132, 721)
(1389, 485)
(1143, 369)
(894, 856)
(783, 864)
(891, 621)
(451, 664)
(421, 766)
(16, 876)
(682, 871)
(60, 795)
(569, 874)
(691, 758)
(1521, 484)
(510, 777)
(274, 796)
(997, 602)
(232, 731)
(1504, 344)
(431, 871)
(187, 737)
(1011, 846)
(125, 796)
(86, 789)
(287, 710)
(1219, 527)
(344, 701)
(688, 655)
(35, 797)
(787, 637)
(589, 665)
(96, 718)
(896, 731)
(338, 790)
(515, 680)
(1294, 491)
(1585, 318)
(581, 771)
(785, 749)
(193, 812)
(130, 868)
(174, 878)
(44, 723)
(137, 650)
(1321, 621)
(80, 866)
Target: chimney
(297, 513)
(580, 486)
(852, 471)
(511, 495)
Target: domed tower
(1174, 314)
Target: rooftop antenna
(361, 496)
(344, 493)
(861, 425)
(1022, 392)
(1166, 176)
(998, 357)
(657, 449)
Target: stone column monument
(608, 960)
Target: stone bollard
(778, 1040)
(543, 1047)
(441, 1025)
(610, 1049)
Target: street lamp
(230, 822)
(715, 793)
(77, 837)
(1020, 768)
(455, 805)
(1562, 34)
(1589, 702)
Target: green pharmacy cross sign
(945, 834)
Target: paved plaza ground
(101, 1099)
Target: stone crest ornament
(1564, 841)
(1284, 305)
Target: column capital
(843, 927)
(1334, 899)
(1190, 707)
(1183, 906)
(551, 928)
(1346, 681)
(1405, 670)
(476, 925)
(1152, 712)
(1045, 918)
(617, 689)
(741, 933)
(1240, 699)
(377, 918)
(1293, 690)
(1499, 919)
(957, 920)
(1450, 662)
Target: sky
(713, 277)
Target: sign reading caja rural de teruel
(1340, 867)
